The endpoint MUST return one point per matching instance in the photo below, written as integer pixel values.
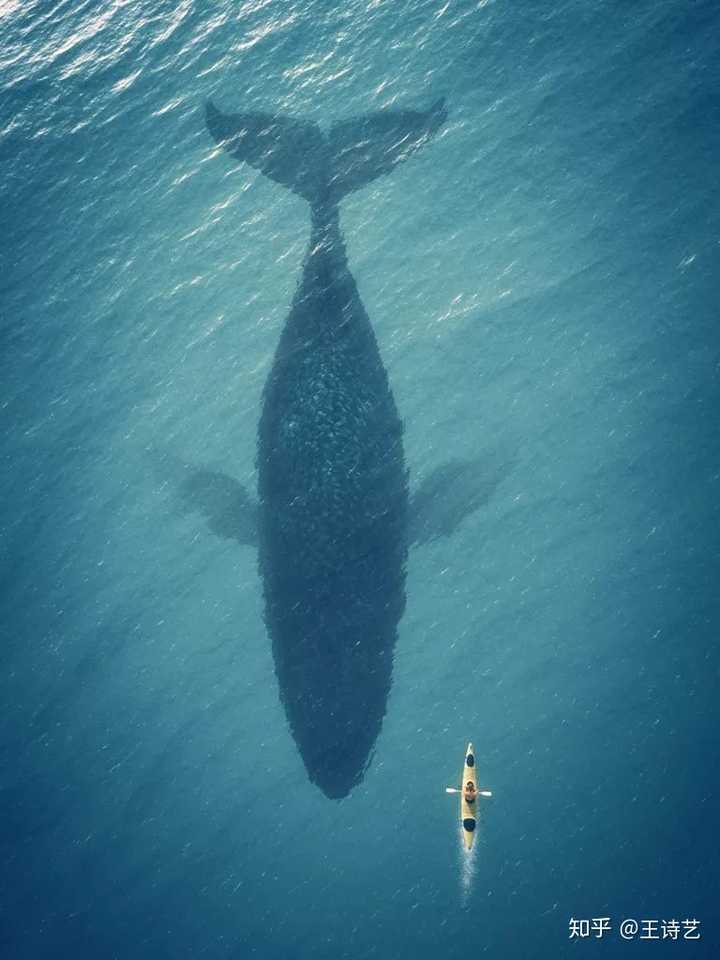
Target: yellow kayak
(469, 794)
(468, 818)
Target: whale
(332, 518)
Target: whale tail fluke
(296, 154)
(291, 152)
(368, 147)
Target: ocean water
(543, 283)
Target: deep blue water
(543, 284)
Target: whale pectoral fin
(226, 505)
(291, 152)
(367, 147)
(450, 494)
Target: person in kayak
(470, 792)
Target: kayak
(468, 816)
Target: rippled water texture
(542, 281)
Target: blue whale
(332, 518)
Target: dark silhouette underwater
(334, 519)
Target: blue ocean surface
(542, 279)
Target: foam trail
(467, 868)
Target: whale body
(332, 520)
